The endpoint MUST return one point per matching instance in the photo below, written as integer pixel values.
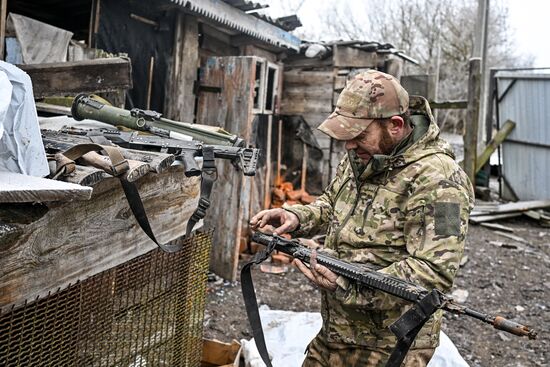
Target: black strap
(136, 205)
(251, 304)
(209, 175)
(407, 327)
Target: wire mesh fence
(148, 311)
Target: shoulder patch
(447, 219)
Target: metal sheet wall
(525, 99)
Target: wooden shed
(169, 48)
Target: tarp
(39, 42)
(21, 148)
(288, 333)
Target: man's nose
(350, 144)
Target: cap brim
(341, 127)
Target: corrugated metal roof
(227, 15)
(370, 46)
(245, 5)
(525, 99)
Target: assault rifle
(244, 159)
(425, 302)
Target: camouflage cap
(369, 95)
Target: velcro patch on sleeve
(447, 219)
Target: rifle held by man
(369, 277)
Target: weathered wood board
(307, 93)
(180, 99)
(19, 188)
(69, 242)
(88, 76)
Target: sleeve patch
(447, 219)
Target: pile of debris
(491, 211)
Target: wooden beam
(353, 57)
(499, 137)
(88, 76)
(3, 16)
(472, 118)
(448, 104)
(19, 188)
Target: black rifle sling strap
(409, 324)
(209, 174)
(251, 304)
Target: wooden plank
(498, 227)
(19, 188)
(448, 104)
(512, 237)
(345, 56)
(494, 143)
(76, 240)
(3, 11)
(179, 101)
(520, 206)
(87, 76)
(489, 217)
(307, 78)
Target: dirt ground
(502, 276)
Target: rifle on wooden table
(425, 302)
(244, 159)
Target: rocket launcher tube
(85, 107)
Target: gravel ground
(500, 276)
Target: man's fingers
(256, 218)
(326, 273)
(304, 269)
(283, 228)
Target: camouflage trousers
(322, 354)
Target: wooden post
(279, 154)
(472, 118)
(267, 183)
(3, 14)
(150, 81)
(304, 169)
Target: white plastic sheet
(288, 333)
(21, 148)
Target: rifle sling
(120, 166)
(208, 176)
(407, 327)
(251, 303)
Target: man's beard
(386, 144)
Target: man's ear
(396, 124)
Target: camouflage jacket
(406, 213)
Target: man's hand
(317, 273)
(276, 221)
